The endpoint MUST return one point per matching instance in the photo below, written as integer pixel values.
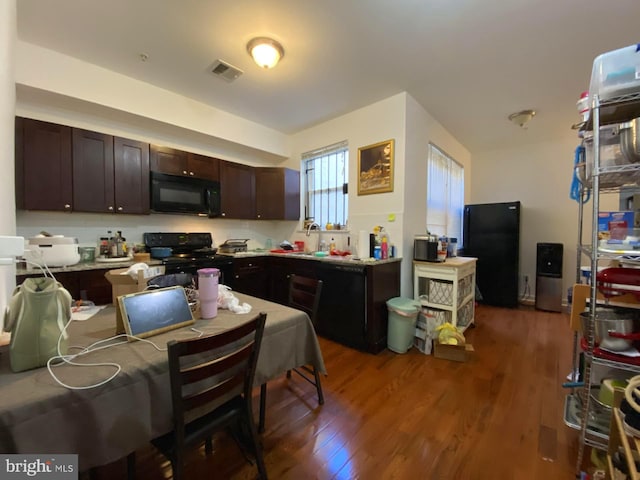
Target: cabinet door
(201, 166)
(280, 271)
(342, 312)
(251, 276)
(131, 173)
(277, 194)
(83, 284)
(237, 190)
(44, 166)
(93, 185)
(168, 160)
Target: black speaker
(549, 260)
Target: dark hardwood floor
(497, 416)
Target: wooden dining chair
(304, 294)
(213, 374)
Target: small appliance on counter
(52, 250)
(234, 245)
(425, 248)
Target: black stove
(190, 252)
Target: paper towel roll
(363, 244)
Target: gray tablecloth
(106, 423)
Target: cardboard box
(457, 353)
(125, 284)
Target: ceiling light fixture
(265, 51)
(522, 118)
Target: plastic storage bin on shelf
(403, 314)
(616, 73)
(610, 153)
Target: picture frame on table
(375, 168)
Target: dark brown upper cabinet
(277, 194)
(177, 162)
(93, 182)
(110, 174)
(43, 166)
(131, 173)
(237, 190)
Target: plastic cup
(208, 292)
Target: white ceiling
(469, 63)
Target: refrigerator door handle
(465, 228)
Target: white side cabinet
(449, 287)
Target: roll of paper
(363, 244)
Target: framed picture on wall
(375, 168)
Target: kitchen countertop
(308, 256)
(79, 267)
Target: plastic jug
(208, 292)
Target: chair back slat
(205, 369)
(304, 294)
(216, 366)
(208, 395)
(193, 346)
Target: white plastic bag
(227, 300)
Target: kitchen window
(445, 194)
(326, 176)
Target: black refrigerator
(491, 233)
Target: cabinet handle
(184, 172)
(237, 276)
(223, 214)
(120, 209)
(191, 173)
(110, 208)
(67, 206)
(259, 215)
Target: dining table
(102, 419)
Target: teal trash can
(403, 314)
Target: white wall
(7, 106)
(383, 120)
(423, 129)
(539, 175)
(68, 77)
(399, 117)
(82, 95)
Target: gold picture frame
(375, 168)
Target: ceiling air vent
(225, 70)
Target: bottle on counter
(384, 248)
(332, 245)
(104, 246)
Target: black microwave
(176, 194)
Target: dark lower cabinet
(281, 269)
(383, 283)
(342, 314)
(353, 302)
(84, 284)
(353, 309)
(251, 276)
